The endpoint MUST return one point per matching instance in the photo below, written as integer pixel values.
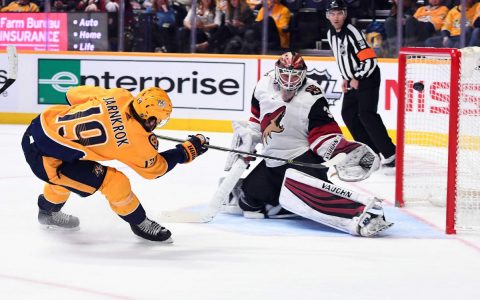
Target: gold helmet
(153, 102)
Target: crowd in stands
(236, 26)
(436, 23)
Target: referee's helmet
(336, 5)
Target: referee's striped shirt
(355, 58)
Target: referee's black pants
(359, 112)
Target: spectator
(451, 29)
(135, 5)
(229, 37)
(281, 16)
(63, 6)
(111, 6)
(92, 6)
(207, 22)
(21, 6)
(409, 8)
(253, 4)
(426, 21)
(163, 30)
(475, 39)
(184, 3)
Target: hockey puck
(418, 86)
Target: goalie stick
(223, 191)
(324, 165)
(12, 68)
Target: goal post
(438, 140)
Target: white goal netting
(426, 135)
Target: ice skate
(388, 165)
(371, 225)
(58, 220)
(152, 231)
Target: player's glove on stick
(244, 139)
(194, 146)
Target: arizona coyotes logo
(271, 123)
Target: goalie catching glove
(193, 147)
(244, 139)
(360, 162)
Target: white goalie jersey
(289, 129)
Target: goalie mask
(153, 107)
(290, 71)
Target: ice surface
(229, 258)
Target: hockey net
(438, 140)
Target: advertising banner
(87, 31)
(34, 31)
(212, 85)
(54, 31)
(201, 87)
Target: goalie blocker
(332, 205)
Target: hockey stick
(324, 165)
(12, 67)
(223, 191)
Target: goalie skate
(372, 221)
(371, 225)
(151, 230)
(58, 220)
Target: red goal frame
(455, 56)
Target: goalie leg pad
(231, 203)
(225, 188)
(324, 202)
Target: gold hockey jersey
(98, 126)
(452, 21)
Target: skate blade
(58, 228)
(168, 241)
(383, 228)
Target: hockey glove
(244, 139)
(194, 146)
(360, 162)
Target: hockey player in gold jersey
(64, 144)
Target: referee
(361, 83)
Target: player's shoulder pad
(270, 74)
(264, 85)
(153, 141)
(311, 87)
(120, 93)
(83, 93)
